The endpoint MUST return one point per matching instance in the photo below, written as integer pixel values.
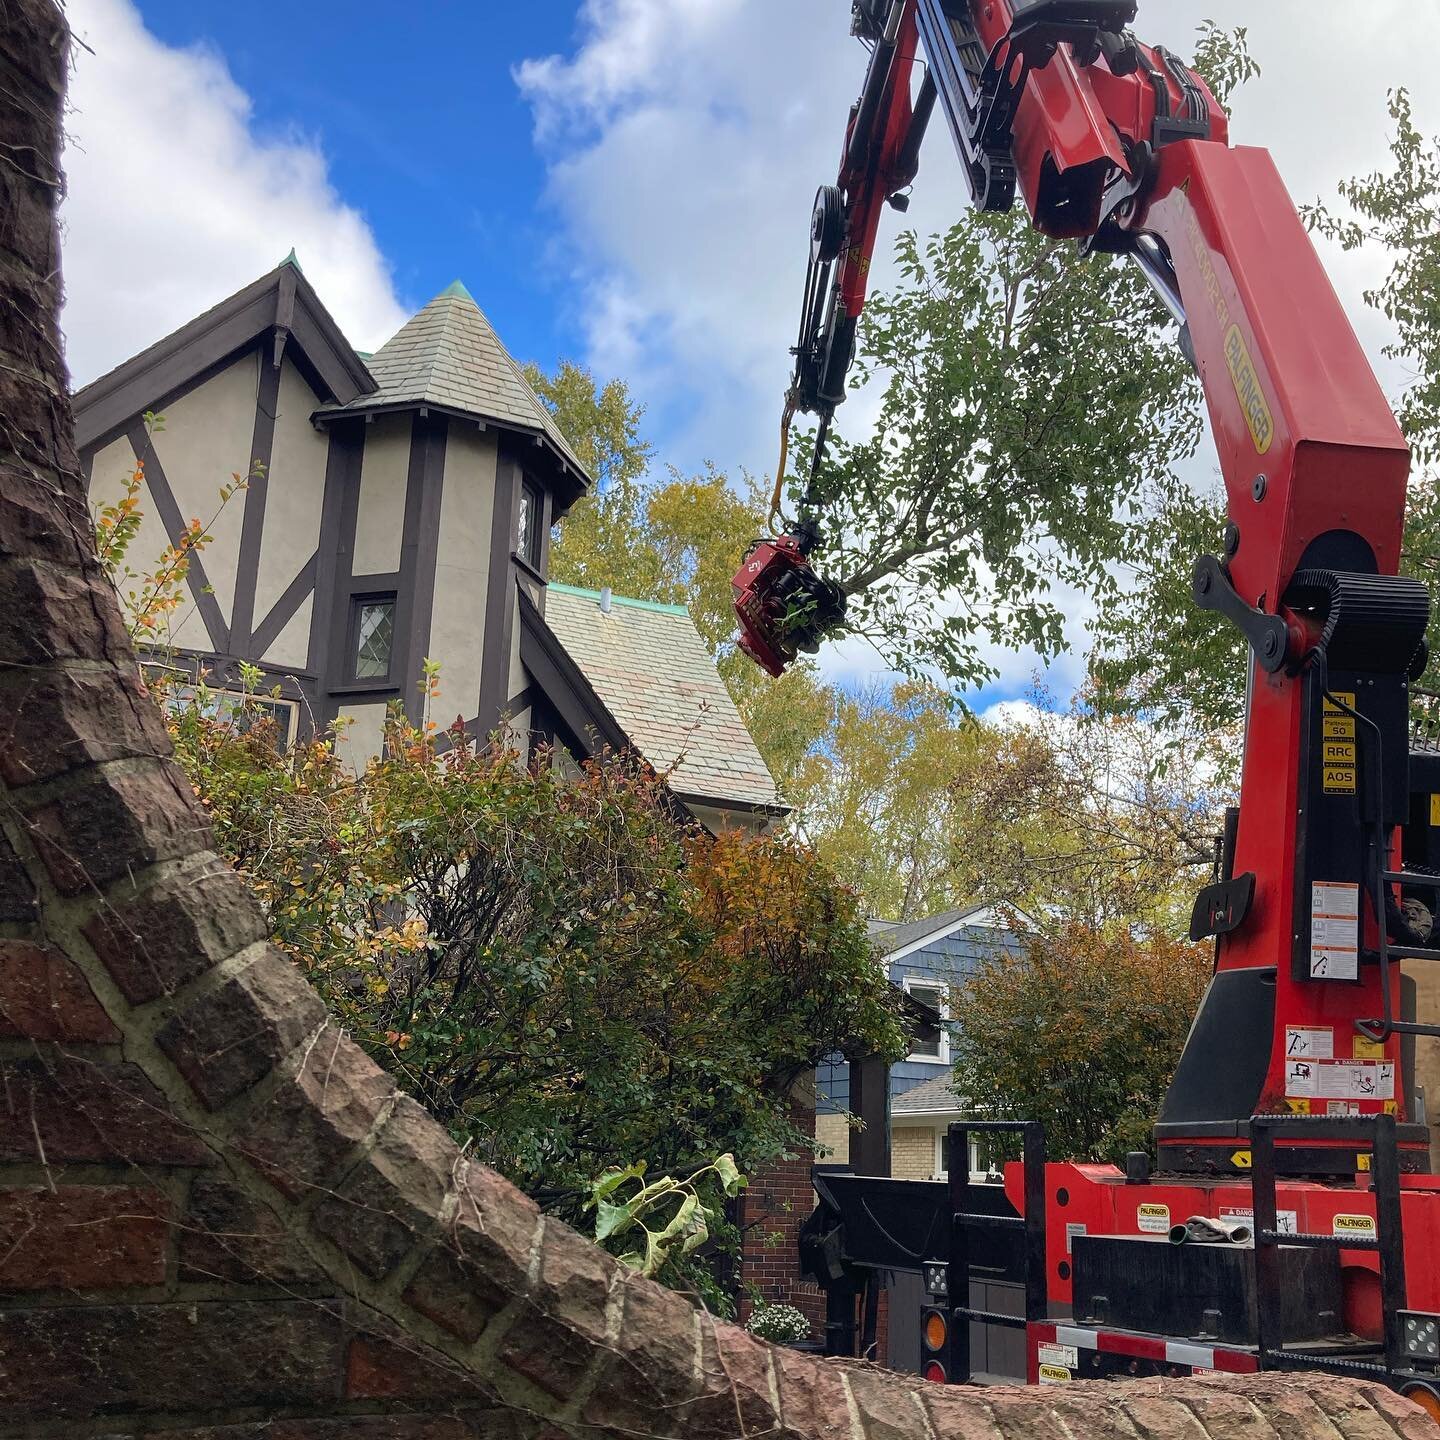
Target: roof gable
(281, 304)
(449, 356)
(896, 941)
(648, 664)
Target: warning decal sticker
(1340, 1079)
(1334, 930)
(1337, 746)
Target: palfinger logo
(1247, 389)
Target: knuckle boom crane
(1291, 1088)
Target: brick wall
(218, 1220)
(912, 1152)
(776, 1203)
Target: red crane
(1121, 146)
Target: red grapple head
(783, 606)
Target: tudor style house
(399, 511)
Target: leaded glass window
(374, 638)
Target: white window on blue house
(936, 1048)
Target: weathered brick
(57, 613)
(168, 1357)
(1156, 1415)
(889, 1406)
(1222, 1412)
(43, 996)
(17, 894)
(651, 1371)
(58, 720)
(737, 1390)
(481, 1263)
(227, 1236)
(553, 1337)
(176, 930)
(228, 1038)
(812, 1399)
(114, 823)
(60, 1108)
(41, 515)
(82, 1237)
(396, 1195)
(317, 1116)
(379, 1367)
(486, 1424)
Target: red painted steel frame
(1290, 394)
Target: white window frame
(977, 1175)
(224, 703)
(924, 982)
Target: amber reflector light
(934, 1331)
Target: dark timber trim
(174, 523)
(500, 591)
(105, 406)
(338, 511)
(252, 529)
(419, 553)
(283, 610)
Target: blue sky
(626, 182)
(422, 125)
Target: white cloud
(174, 202)
(685, 140)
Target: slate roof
(929, 1098)
(887, 936)
(648, 664)
(449, 355)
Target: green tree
(1027, 396)
(558, 971)
(1098, 819)
(1082, 1029)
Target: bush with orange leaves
(1081, 1029)
(566, 971)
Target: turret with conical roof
(448, 357)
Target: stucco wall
(295, 488)
(457, 622)
(383, 476)
(205, 441)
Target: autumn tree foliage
(1080, 1028)
(563, 972)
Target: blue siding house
(926, 958)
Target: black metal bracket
(1388, 1239)
(1267, 634)
(963, 1218)
(1221, 908)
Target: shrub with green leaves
(567, 976)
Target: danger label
(1340, 1079)
(1066, 1355)
(1153, 1219)
(1334, 930)
(1337, 747)
(1286, 1221)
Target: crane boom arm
(1121, 146)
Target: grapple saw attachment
(784, 607)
